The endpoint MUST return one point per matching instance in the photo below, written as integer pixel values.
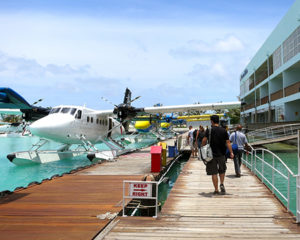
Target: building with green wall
(270, 84)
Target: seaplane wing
(103, 113)
(10, 111)
(13, 103)
(11, 100)
(193, 107)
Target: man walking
(190, 140)
(240, 139)
(218, 142)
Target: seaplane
(164, 124)
(84, 127)
(13, 103)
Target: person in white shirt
(190, 140)
(240, 139)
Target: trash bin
(164, 153)
(156, 152)
(171, 150)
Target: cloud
(198, 48)
(23, 67)
(217, 70)
(66, 69)
(58, 83)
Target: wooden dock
(71, 206)
(247, 211)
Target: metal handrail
(274, 132)
(268, 151)
(253, 168)
(274, 127)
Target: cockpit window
(54, 110)
(73, 110)
(65, 110)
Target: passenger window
(87, 119)
(65, 110)
(97, 121)
(73, 110)
(78, 114)
(92, 119)
(105, 122)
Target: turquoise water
(291, 160)
(165, 187)
(12, 176)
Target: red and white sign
(137, 190)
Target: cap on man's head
(215, 119)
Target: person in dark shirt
(199, 137)
(218, 142)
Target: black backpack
(195, 135)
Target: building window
(277, 59)
(291, 46)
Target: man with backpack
(240, 140)
(218, 142)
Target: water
(291, 160)
(165, 187)
(12, 176)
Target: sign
(138, 189)
(244, 73)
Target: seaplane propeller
(124, 111)
(37, 101)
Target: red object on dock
(156, 152)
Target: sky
(172, 52)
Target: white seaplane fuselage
(71, 124)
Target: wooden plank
(64, 208)
(67, 207)
(247, 211)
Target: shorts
(217, 165)
(192, 145)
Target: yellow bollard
(164, 153)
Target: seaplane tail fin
(10, 99)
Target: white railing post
(252, 152)
(298, 197)
(273, 175)
(288, 192)
(262, 166)
(298, 182)
(255, 162)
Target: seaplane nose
(50, 125)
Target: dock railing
(272, 171)
(273, 132)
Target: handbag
(234, 146)
(206, 151)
